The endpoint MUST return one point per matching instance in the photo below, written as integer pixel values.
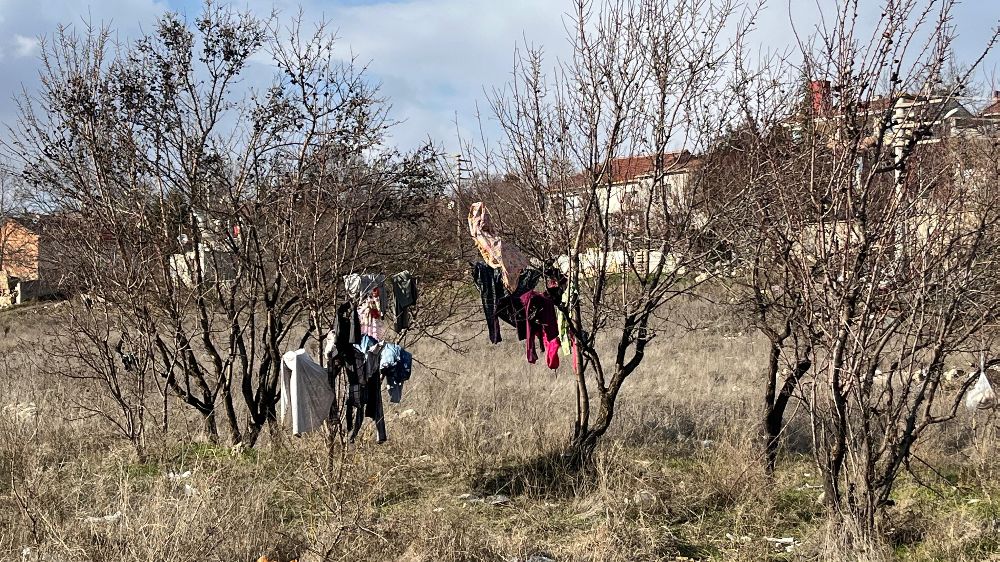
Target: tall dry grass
(471, 471)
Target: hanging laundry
(404, 296)
(491, 290)
(370, 313)
(306, 393)
(527, 280)
(541, 326)
(347, 328)
(497, 254)
(334, 366)
(395, 364)
(568, 301)
(364, 397)
(360, 287)
(555, 284)
(510, 309)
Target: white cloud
(436, 59)
(25, 46)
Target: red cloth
(541, 326)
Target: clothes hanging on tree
(396, 365)
(306, 393)
(371, 315)
(347, 328)
(500, 304)
(404, 297)
(562, 321)
(511, 310)
(362, 286)
(555, 284)
(334, 366)
(541, 326)
(505, 256)
(491, 290)
(364, 398)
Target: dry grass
(677, 479)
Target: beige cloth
(497, 254)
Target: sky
(436, 59)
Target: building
(32, 257)
(906, 118)
(19, 240)
(631, 181)
(992, 111)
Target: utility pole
(462, 167)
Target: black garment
(491, 289)
(364, 398)
(510, 309)
(334, 366)
(527, 281)
(404, 295)
(555, 284)
(498, 304)
(348, 328)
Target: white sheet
(305, 392)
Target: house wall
(632, 195)
(18, 251)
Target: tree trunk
(774, 410)
(231, 418)
(580, 452)
(211, 427)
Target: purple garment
(542, 326)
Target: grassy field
(470, 472)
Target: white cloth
(305, 392)
(981, 397)
(330, 344)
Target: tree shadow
(551, 475)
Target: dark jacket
(490, 284)
(364, 398)
(404, 296)
(348, 331)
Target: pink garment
(371, 319)
(541, 326)
(497, 254)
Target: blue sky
(434, 58)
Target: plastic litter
(982, 396)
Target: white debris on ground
(178, 476)
(784, 543)
(21, 412)
(498, 499)
(103, 519)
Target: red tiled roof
(992, 109)
(630, 168)
(633, 167)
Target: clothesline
(358, 359)
(506, 281)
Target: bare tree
(869, 247)
(645, 80)
(217, 219)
